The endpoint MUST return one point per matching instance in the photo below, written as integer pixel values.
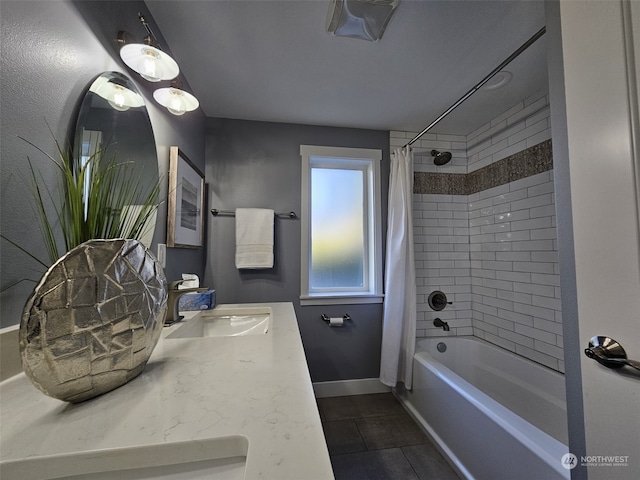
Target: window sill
(341, 299)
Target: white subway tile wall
(524, 125)
(441, 240)
(514, 269)
(493, 253)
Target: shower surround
(485, 233)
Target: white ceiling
(274, 61)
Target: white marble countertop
(191, 389)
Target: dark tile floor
(371, 437)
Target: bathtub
(493, 415)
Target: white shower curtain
(399, 314)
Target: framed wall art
(185, 222)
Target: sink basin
(226, 322)
(220, 458)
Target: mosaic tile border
(528, 162)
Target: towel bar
(325, 317)
(215, 212)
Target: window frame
(362, 159)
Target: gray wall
(51, 52)
(257, 164)
(60, 47)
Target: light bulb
(150, 67)
(175, 100)
(176, 103)
(151, 63)
(119, 102)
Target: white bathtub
(493, 414)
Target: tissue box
(197, 301)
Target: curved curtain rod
(511, 57)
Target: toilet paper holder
(326, 318)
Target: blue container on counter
(197, 301)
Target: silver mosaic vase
(93, 319)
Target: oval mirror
(113, 117)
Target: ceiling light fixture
(176, 100)
(365, 19)
(146, 58)
(499, 80)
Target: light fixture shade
(365, 19)
(175, 100)
(118, 96)
(151, 63)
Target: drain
(442, 347)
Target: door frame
(586, 41)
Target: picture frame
(185, 219)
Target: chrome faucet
(439, 323)
(172, 303)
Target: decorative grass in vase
(101, 198)
(96, 314)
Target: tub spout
(172, 304)
(439, 323)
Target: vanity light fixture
(118, 96)
(176, 100)
(154, 65)
(146, 58)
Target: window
(341, 232)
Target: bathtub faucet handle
(438, 300)
(439, 323)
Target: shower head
(440, 158)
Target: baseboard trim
(339, 388)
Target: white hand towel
(254, 238)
